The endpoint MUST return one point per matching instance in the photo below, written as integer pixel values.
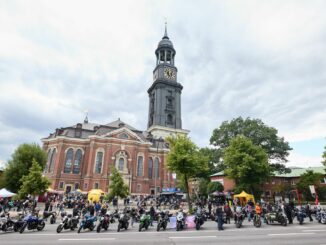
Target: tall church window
(140, 166)
(121, 164)
(156, 168)
(52, 160)
(77, 163)
(150, 168)
(69, 156)
(98, 163)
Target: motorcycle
(238, 217)
(199, 219)
(52, 215)
(321, 216)
(257, 220)
(88, 222)
(181, 223)
(163, 220)
(276, 216)
(301, 215)
(104, 223)
(68, 222)
(144, 221)
(123, 220)
(32, 222)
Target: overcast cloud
(259, 59)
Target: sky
(257, 59)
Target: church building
(82, 156)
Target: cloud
(235, 58)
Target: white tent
(6, 193)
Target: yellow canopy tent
(94, 195)
(244, 197)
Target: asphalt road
(306, 234)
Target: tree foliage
(185, 160)
(20, 163)
(308, 178)
(324, 158)
(259, 133)
(33, 183)
(214, 186)
(117, 187)
(214, 162)
(246, 164)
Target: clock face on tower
(169, 73)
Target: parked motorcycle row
(31, 221)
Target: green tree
(185, 160)
(324, 158)
(308, 178)
(33, 183)
(20, 163)
(214, 186)
(117, 187)
(214, 161)
(246, 164)
(259, 133)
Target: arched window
(77, 163)
(52, 160)
(156, 168)
(150, 168)
(68, 162)
(121, 164)
(140, 166)
(98, 163)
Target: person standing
(219, 217)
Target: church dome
(165, 42)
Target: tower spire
(86, 117)
(165, 31)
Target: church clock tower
(164, 117)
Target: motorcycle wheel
(41, 226)
(127, 225)
(23, 228)
(79, 229)
(92, 227)
(119, 227)
(158, 227)
(4, 227)
(284, 222)
(267, 222)
(59, 228)
(257, 223)
(197, 226)
(98, 229)
(140, 227)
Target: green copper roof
(295, 172)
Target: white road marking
(85, 239)
(313, 230)
(291, 234)
(191, 237)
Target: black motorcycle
(301, 215)
(68, 222)
(181, 221)
(104, 223)
(238, 217)
(199, 219)
(51, 215)
(163, 220)
(123, 221)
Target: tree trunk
(187, 192)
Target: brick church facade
(82, 156)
